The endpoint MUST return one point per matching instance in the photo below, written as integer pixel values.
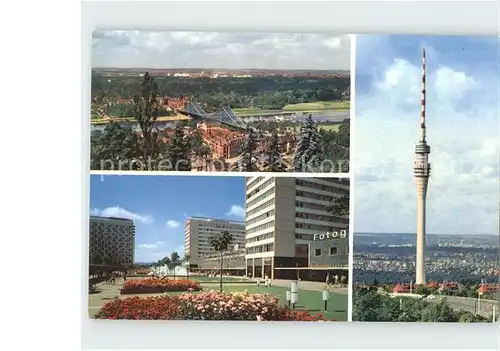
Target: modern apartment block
(283, 216)
(111, 241)
(198, 231)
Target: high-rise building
(111, 241)
(421, 172)
(198, 231)
(283, 215)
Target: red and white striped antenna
(423, 102)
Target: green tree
(367, 306)
(220, 243)
(247, 152)
(274, 161)
(165, 261)
(340, 206)
(337, 146)
(177, 151)
(422, 290)
(174, 256)
(174, 261)
(145, 111)
(309, 151)
(441, 312)
(196, 142)
(113, 145)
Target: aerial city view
(189, 101)
(218, 248)
(426, 224)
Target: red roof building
(488, 288)
(402, 288)
(449, 286)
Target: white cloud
(154, 245)
(220, 50)
(236, 211)
(120, 212)
(462, 130)
(173, 224)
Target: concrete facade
(332, 250)
(111, 241)
(198, 231)
(282, 217)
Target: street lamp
(325, 297)
(294, 293)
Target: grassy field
(317, 106)
(304, 107)
(254, 112)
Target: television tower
(421, 172)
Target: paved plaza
(310, 294)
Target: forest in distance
(264, 93)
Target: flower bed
(204, 306)
(158, 285)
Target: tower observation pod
(421, 172)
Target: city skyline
(214, 50)
(159, 221)
(462, 126)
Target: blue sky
(160, 205)
(462, 130)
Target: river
(326, 116)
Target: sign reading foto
(341, 234)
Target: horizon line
(225, 69)
(425, 234)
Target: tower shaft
(421, 172)
(421, 242)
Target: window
(333, 250)
(317, 252)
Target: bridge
(224, 115)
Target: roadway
(462, 303)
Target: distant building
(111, 241)
(489, 288)
(403, 289)
(233, 262)
(198, 231)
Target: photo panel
(226, 102)
(265, 249)
(426, 224)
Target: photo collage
(348, 178)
